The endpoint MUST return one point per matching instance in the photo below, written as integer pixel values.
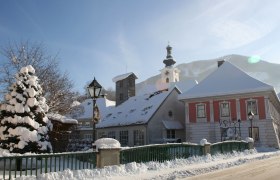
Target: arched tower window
(167, 80)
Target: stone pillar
(251, 145)
(206, 149)
(108, 157)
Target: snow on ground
(175, 169)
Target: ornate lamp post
(94, 89)
(251, 117)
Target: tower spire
(169, 61)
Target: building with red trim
(217, 108)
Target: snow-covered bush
(24, 126)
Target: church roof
(226, 80)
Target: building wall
(268, 128)
(126, 87)
(156, 130)
(117, 131)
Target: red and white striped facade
(228, 95)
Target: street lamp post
(94, 89)
(251, 117)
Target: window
(224, 109)
(167, 80)
(255, 134)
(120, 83)
(112, 134)
(200, 111)
(121, 96)
(124, 138)
(170, 134)
(101, 135)
(88, 136)
(170, 113)
(80, 124)
(138, 137)
(87, 124)
(252, 106)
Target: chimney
(220, 62)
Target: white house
(217, 108)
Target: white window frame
(223, 112)
(111, 134)
(138, 137)
(204, 110)
(124, 137)
(87, 124)
(250, 108)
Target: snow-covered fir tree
(24, 126)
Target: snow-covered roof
(103, 104)
(123, 76)
(136, 110)
(171, 124)
(183, 86)
(227, 79)
(62, 119)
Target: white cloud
(216, 25)
(233, 34)
(130, 59)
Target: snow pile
(107, 143)
(175, 169)
(248, 139)
(203, 142)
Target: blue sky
(107, 38)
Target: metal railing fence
(160, 153)
(15, 166)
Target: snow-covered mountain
(198, 70)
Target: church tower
(169, 73)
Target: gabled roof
(226, 80)
(62, 119)
(103, 104)
(123, 76)
(136, 110)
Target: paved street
(266, 169)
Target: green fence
(15, 166)
(228, 147)
(159, 153)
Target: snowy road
(250, 164)
(260, 169)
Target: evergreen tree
(24, 126)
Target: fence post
(206, 146)
(250, 142)
(206, 149)
(108, 157)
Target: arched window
(167, 80)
